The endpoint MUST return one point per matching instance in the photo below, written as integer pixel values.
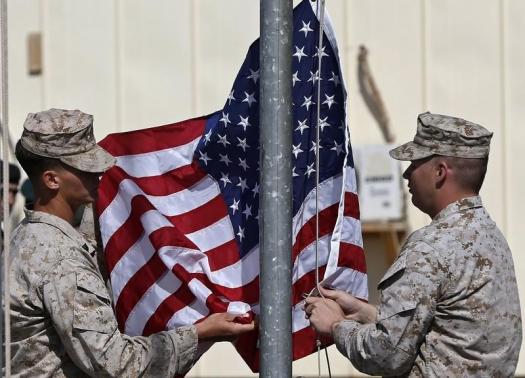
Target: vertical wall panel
(154, 62)
(79, 59)
(224, 33)
(25, 92)
(392, 31)
(464, 77)
(514, 58)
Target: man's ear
(51, 179)
(442, 171)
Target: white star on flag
(225, 179)
(250, 98)
(296, 150)
(223, 140)
(254, 75)
(224, 159)
(204, 157)
(302, 124)
(230, 97)
(242, 143)
(329, 101)
(307, 102)
(225, 119)
(299, 53)
(244, 122)
(306, 28)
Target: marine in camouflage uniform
(62, 321)
(449, 304)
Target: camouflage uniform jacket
(449, 304)
(62, 321)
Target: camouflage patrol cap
(447, 136)
(66, 135)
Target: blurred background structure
(140, 63)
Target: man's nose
(407, 173)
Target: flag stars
(254, 75)
(320, 51)
(244, 122)
(295, 78)
(224, 159)
(223, 140)
(299, 53)
(293, 172)
(302, 124)
(306, 28)
(204, 157)
(255, 190)
(310, 169)
(338, 148)
(329, 101)
(242, 143)
(296, 150)
(250, 98)
(307, 103)
(225, 119)
(225, 179)
(247, 211)
(335, 79)
(314, 77)
(235, 206)
(314, 146)
(323, 123)
(242, 184)
(207, 137)
(243, 164)
(231, 97)
(240, 234)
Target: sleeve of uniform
(409, 292)
(80, 308)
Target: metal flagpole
(276, 188)
(5, 153)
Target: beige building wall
(140, 63)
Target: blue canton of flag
(229, 150)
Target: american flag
(179, 211)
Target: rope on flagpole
(320, 15)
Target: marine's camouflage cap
(66, 135)
(447, 136)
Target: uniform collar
(65, 227)
(458, 206)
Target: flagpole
(276, 188)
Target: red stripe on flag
(168, 183)
(178, 300)
(120, 242)
(200, 217)
(248, 292)
(306, 234)
(135, 288)
(155, 138)
(351, 205)
(223, 255)
(352, 256)
(305, 284)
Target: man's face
(421, 183)
(78, 187)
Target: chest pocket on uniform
(93, 311)
(396, 291)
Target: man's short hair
(471, 172)
(34, 164)
(14, 173)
